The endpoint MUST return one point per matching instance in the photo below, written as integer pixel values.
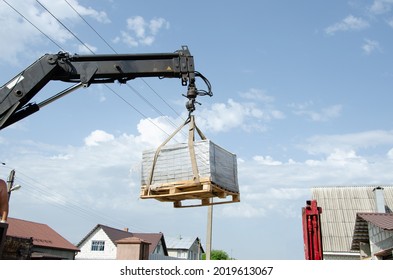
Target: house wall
(109, 252)
(58, 253)
(132, 251)
(178, 253)
(162, 257)
(17, 248)
(380, 239)
(193, 253)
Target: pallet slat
(176, 192)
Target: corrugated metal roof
(42, 234)
(180, 242)
(340, 204)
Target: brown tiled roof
(118, 234)
(382, 220)
(42, 234)
(153, 239)
(131, 240)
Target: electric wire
(113, 91)
(35, 26)
(91, 27)
(41, 192)
(128, 85)
(87, 47)
(133, 89)
(38, 191)
(72, 33)
(74, 207)
(106, 42)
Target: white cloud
(153, 132)
(250, 116)
(86, 49)
(97, 137)
(390, 23)
(137, 24)
(381, 6)
(223, 117)
(342, 158)
(24, 35)
(347, 24)
(327, 144)
(369, 46)
(127, 39)
(141, 32)
(325, 114)
(266, 160)
(244, 210)
(99, 16)
(63, 10)
(156, 24)
(257, 95)
(104, 173)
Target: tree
(217, 255)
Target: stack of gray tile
(174, 165)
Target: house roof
(182, 243)
(340, 204)
(118, 234)
(361, 232)
(42, 234)
(381, 220)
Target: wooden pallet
(176, 192)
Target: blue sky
(302, 95)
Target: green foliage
(217, 255)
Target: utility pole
(209, 230)
(10, 182)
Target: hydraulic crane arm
(85, 70)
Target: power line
(59, 21)
(73, 34)
(162, 99)
(43, 193)
(98, 34)
(119, 96)
(151, 88)
(40, 192)
(64, 26)
(76, 207)
(33, 25)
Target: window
(97, 245)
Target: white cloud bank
(88, 174)
(99, 181)
(347, 24)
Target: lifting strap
(191, 138)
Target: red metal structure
(312, 233)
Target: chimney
(379, 200)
